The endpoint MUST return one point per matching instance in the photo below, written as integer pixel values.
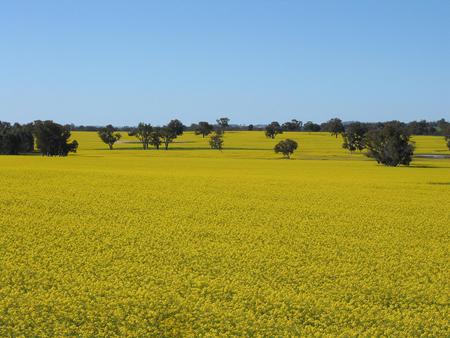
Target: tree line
(47, 137)
(158, 136)
(387, 142)
(421, 127)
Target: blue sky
(121, 62)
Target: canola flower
(191, 242)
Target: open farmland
(193, 241)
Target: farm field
(193, 241)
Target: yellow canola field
(193, 241)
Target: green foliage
(311, 126)
(390, 145)
(143, 133)
(155, 137)
(175, 127)
(109, 135)
(223, 123)
(354, 137)
(203, 128)
(52, 139)
(167, 135)
(216, 141)
(334, 126)
(445, 130)
(15, 139)
(273, 129)
(293, 125)
(286, 147)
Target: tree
(310, 126)
(143, 133)
(52, 139)
(445, 130)
(216, 140)
(167, 135)
(293, 125)
(155, 137)
(250, 127)
(175, 127)
(286, 147)
(223, 123)
(273, 129)
(421, 128)
(203, 128)
(15, 139)
(109, 136)
(443, 127)
(335, 126)
(354, 137)
(390, 145)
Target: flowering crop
(191, 241)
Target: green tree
(155, 137)
(52, 139)
(335, 126)
(311, 126)
(167, 135)
(293, 125)
(223, 123)
(216, 140)
(390, 144)
(109, 135)
(203, 128)
(175, 127)
(15, 139)
(354, 137)
(286, 147)
(447, 136)
(273, 129)
(143, 133)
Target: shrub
(286, 147)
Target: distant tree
(15, 139)
(216, 140)
(442, 127)
(335, 126)
(421, 128)
(203, 128)
(223, 123)
(286, 147)
(155, 137)
(390, 145)
(250, 127)
(167, 136)
(293, 125)
(310, 126)
(175, 127)
(52, 139)
(445, 130)
(273, 129)
(109, 135)
(143, 133)
(354, 136)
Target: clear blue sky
(121, 62)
